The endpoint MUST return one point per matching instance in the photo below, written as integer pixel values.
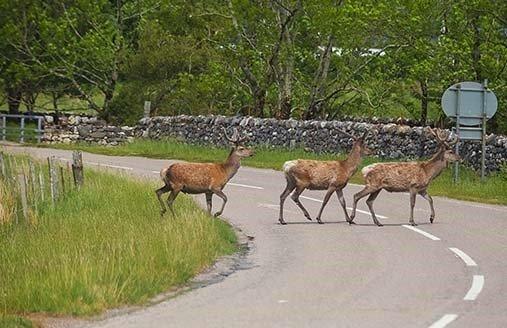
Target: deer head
(359, 142)
(237, 141)
(449, 155)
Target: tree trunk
(259, 102)
(54, 95)
(424, 102)
(13, 99)
(476, 47)
(315, 106)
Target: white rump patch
(163, 173)
(367, 169)
(288, 165)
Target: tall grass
(104, 246)
(469, 187)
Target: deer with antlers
(412, 177)
(322, 175)
(203, 178)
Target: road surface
(451, 273)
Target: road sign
(471, 97)
(470, 105)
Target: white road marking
(100, 164)
(156, 172)
(467, 259)
(424, 233)
(444, 321)
(473, 292)
(282, 301)
(349, 208)
(245, 186)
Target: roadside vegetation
(102, 246)
(469, 187)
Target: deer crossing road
(452, 273)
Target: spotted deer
(332, 176)
(413, 177)
(203, 178)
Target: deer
(203, 178)
(332, 176)
(413, 177)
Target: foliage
(287, 58)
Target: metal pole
(483, 152)
(39, 129)
(458, 108)
(22, 131)
(4, 125)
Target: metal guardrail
(22, 128)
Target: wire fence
(26, 185)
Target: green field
(102, 247)
(493, 190)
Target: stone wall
(84, 129)
(390, 140)
(395, 141)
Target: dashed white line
(444, 321)
(424, 233)
(245, 186)
(349, 208)
(477, 285)
(462, 255)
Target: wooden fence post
(77, 168)
(2, 164)
(24, 198)
(62, 178)
(41, 185)
(53, 178)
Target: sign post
(470, 104)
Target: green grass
(493, 190)
(14, 322)
(103, 247)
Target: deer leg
(363, 193)
(339, 193)
(330, 191)
(159, 193)
(426, 196)
(413, 193)
(220, 194)
(288, 189)
(369, 202)
(208, 201)
(295, 198)
(171, 198)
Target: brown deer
(322, 175)
(413, 177)
(203, 178)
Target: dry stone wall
(389, 141)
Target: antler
(346, 133)
(235, 139)
(442, 138)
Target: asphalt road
(335, 275)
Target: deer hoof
(351, 222)
(431, 219)
(379, 224)
(308, 218)
(217, 214)
(413, 224)
(319, 221)
(282, 222)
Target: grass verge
(492, 191)
(102, 247)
